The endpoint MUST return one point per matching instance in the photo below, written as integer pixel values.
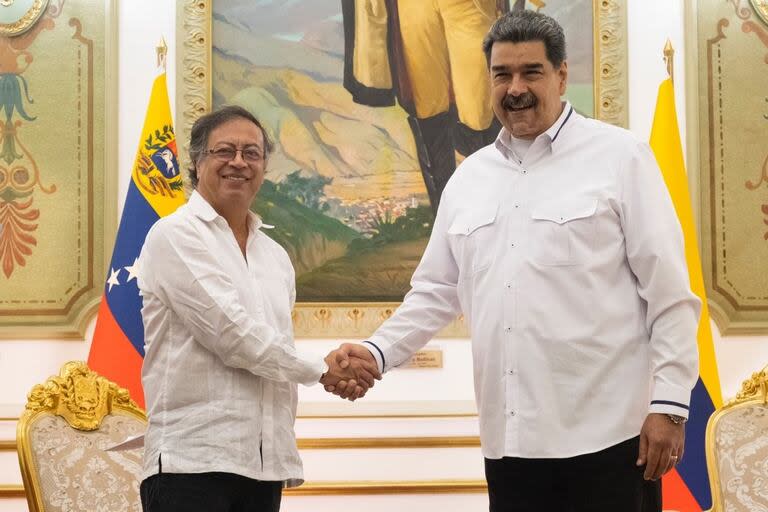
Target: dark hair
(203, 127)
(523, 26)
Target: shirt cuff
(378, 355)
(669, 399)
(314, 371)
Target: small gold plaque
(431, 358)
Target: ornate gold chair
(737, 449)
(62, 437)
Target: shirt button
(517, 205)
(512, 244)
(525, 172)
(507, 329)
(511, 372)
(511, 413)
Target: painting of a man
(426, 55)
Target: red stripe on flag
(676, 495)
(113, 356)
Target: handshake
(352, 371)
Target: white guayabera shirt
(220, 369)
(569, 267)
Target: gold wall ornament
(18, 16)
(350, 488)
(761, 8)
(610, 66)
(80, 396)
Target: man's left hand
(661, 445)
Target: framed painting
(57, 170)
(728, 127)
(369, 121)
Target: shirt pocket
(563, 231)
(470, 235)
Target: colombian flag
(686, 488)
(155, 191)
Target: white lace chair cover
(68, 424)
(76, 473)
(737, 451)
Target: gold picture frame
(356, 319)
(53, 274)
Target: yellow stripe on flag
(665, 142)
(161, 188)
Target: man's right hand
(352, 370)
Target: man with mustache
(560, 245)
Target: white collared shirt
(220, 369)
(570, 271)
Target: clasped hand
(352, 371)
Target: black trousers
(207, 492)
(604, 481)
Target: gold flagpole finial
(669, 57)
(162, 53)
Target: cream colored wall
(24, 363)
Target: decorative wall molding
(356, 443)
(727, 117)
(331, 488)
(611, 53)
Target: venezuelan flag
(686, 488)
(155, 191)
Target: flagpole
(669, 57)
(162, 53)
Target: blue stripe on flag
(693, 467)
(123, 299)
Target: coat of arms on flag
(155, 190)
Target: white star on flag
(133, 270)
(112, 281)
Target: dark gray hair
(201, 130)
(524, 26)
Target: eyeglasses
(249, 154)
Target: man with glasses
(220, 372)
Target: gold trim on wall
(343, 443)
(12, 491)
(357, 443)
(360, 416)
(610, 33)
(384, 487)
(347, 320)
(364, 487)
